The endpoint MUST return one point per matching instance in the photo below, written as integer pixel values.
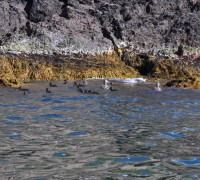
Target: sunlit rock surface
(75, 39)
(97, 25)
(15, 69)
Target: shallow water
(133, 133)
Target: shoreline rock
(121, 63)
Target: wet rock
(15, 69)
(179, 72)
(9, 81)
(121, 64)
(188, 82)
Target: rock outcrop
(77, 39)
(183, 72)
(124, 63)
(98, 25)
(16, 69)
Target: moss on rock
(121, 63)
(15, 69)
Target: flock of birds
(82, 87)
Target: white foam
(126, 81)
(114, 79)
(94, 78)
(133, 80)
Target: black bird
(47, 90)
(94, 92)
(113, 89)
(89, 91)
(52, 85)
(23, 89)
(65, 81)
(81, 83)
(179, 52)
(83, 90)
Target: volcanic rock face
(97, 25)
(13, 18)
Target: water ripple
(193, 161)
(173, 134)
(132, 159)
(77, 133)
(133, 133)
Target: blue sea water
(95, 163)
(76, 133)
(132, 159)
(193, 161)
(69, 135)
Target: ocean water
(133, 133)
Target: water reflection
(61, 154)
(193, 176)
(132, 159)
(189, 162)
(173, 134)
(14, 118)
(144, 172)
(132, 133)
(76, 133)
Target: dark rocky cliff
(77, 39)
(98, 25)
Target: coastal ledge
(122, 63)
